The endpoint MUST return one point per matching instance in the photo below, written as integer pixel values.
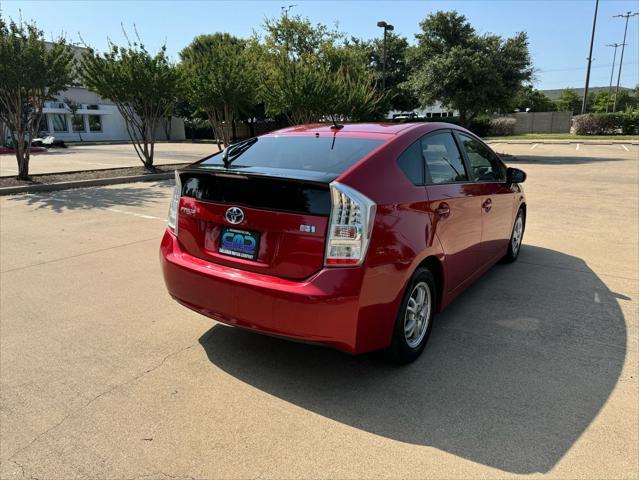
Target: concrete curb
(565, 142)
(94, 182)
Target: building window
(95, 123)
(77, 123)
(451, 114)
(59, 122)
(43, 126)
(93, 107)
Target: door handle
(487, 205)
(443, 210)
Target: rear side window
(485, 165)
(412, 163)
(319, 154)
(444, 162)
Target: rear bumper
(323, 308)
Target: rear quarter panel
(402, 238)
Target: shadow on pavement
(514, 372)
(91, 198)
(551, 160)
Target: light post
(584, 104)
(612, 72)
(387, 28)
(626, 15)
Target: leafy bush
(607, 123)
(480, 126)
(501, 126)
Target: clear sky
(559, 31)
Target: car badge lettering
(188, 211)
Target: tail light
(350, 228)
(175, 204)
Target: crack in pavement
(87, 404)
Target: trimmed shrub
(606, 123)
(480, 126)
(501, 126)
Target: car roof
(381, 130)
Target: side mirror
(514, 175)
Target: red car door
(454, 202)
(497, 197)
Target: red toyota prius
(352, 236)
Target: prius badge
(234, 215)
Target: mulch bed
(48, 178)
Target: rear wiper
(233, 151)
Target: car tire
(414, 321)
(516, 237)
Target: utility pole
(584, 104)
(626, 15)
(612, 72)
(387, 28)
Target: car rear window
(319, 154)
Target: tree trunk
(23, 160)
(462, 118)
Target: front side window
(443, 160)
(95, 123)
(59, 122)
(485, 165)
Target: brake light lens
(175, 204)
(351, 226)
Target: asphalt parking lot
(533, 370)
(98, 157)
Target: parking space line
(624, 147)
(134, 214)
(578, 146)
(534, 146)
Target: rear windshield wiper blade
(233, 151)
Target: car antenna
(335, 126)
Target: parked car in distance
(351, 236)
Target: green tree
(533, 100)
(569, 100)
(31, 72)
(219, 78)
(143, 87)
(398, 66)
(625, 101)
(466, 71)
(310, 72)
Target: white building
(96, 120)
(436, 110)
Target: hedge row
(606, 123)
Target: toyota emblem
(234, 215)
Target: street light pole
(627, 15)
(584, 104)
(612, 72)
(387, 28)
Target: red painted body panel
(287, 290)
